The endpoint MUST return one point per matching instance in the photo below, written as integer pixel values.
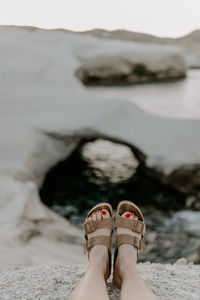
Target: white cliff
(45, 111)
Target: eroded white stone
(44, 112)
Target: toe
(105, 214)
(132, 217)
(127, 215)
(94, 216)
(98, 215)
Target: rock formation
(190, 43)
(138, 65)
(45, 111)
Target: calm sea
(179, 99)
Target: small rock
(181, 261)
(160, 267)
(172, 272)
(58, 280)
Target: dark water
(103, 171)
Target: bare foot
(127, 254)
(99, 254)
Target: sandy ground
(177, 281)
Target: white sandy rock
(44, 112)
(56, 282)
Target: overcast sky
(159, 17)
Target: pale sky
(159, 17)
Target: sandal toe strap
(132, 240)
(92, 226)
(134, 225)
(97, 240)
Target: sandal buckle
(137, 242)
(142, 229)
(89, 244)
(92, 225)
(134, 225)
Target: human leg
(93, 284)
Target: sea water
(176, 99)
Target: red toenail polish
(128, 215)
(98, 211)
(135, 217)
(91, 216)
(103, 212)
(94, 213)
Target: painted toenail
(94, 213)
(91, 216)
(128, 215)
(135, 217)
(103, 212)
(98, 211)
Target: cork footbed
(128, 206)
(101, 206)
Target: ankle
(127, 254)
(98, 258)
(127, 258)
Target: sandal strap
(97, 240)
(92, 226)
(136, 226)
(132, 240)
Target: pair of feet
(127, 254)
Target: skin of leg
(132, 284)
(93, 284)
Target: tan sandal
(91, 226)
(137, 226)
